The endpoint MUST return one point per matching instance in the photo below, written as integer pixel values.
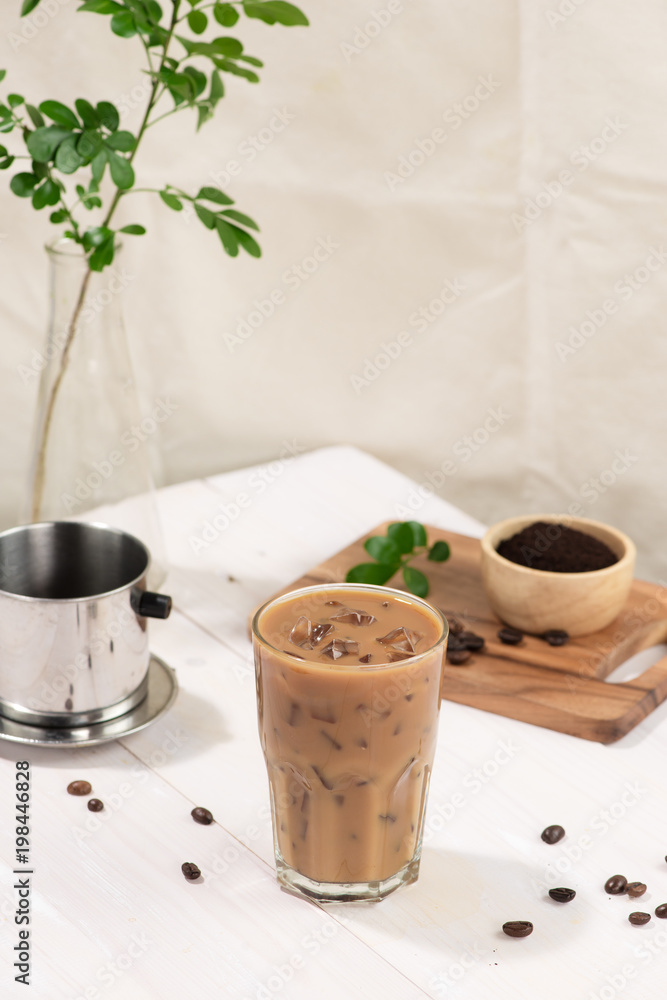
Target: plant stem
(40, 463)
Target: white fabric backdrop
(485, 181)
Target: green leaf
(415, 581)
(198, 79)
(6, 164)
(418, 532)
(251, 60)
(96, 236)
(382, 549)
(35, 116)
(439, 552)
(122, 141)
(228, 66)
(217, 88)
(59, 216)
(204, 113)
(4, 151)
(275, 11)
(13, 100)
(228, 237)
(87, 113)
(97, 166)
(248, 242)
(88, 144)
(133, 230)
(102, 7)
(40, 170)
(124, 26)
(102, 256)
(171, 201)
(23, 185)
(206, 216)
(197, 22)
(43, 142)
(3, 74)
(214, 194)
(401, 535)
(48, 193)
(377, 573)
(27, 6)
(67, 157)
(227, 46)
(59, 113)
(121, 170)
(225, 15)
(108, 114)
(245, 220)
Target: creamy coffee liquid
(348, 695)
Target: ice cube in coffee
(348, 682)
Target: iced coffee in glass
(348, 693)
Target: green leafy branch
(404, 541)
(62, 141)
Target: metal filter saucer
(162, 689)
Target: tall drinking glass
(348, 693)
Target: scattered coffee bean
(95, 805)
(455, 627)
(556, 636)
(471, 640)
(562, 895)
(635, 889)
(518, 928)
(455, 642)
(510, 636)
(457, 657)
(639, 918)
(79, 788)
(552, 834)
(201, 815)
(615, 885)
(661, 911)
(190, 871)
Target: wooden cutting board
(561, 688)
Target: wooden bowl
(535, 600)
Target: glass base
(345, 892)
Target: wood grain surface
(562, 688)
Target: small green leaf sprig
(404, 541)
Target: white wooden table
(114, 918)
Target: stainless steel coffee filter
(73, 638)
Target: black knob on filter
(151, 605)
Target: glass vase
(90, 447)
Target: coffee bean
(457, 657)
(510, 636)
(552, 834)
(471, 641)
(518, 928)
(556, 636)
(562, 895)
(201, 815)
(635, 889)
(615, 885)
(455, 642)
(190, 871)
(639, 918)
(455, 627)
(95, 805)
(79, 788)
(661, 911)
